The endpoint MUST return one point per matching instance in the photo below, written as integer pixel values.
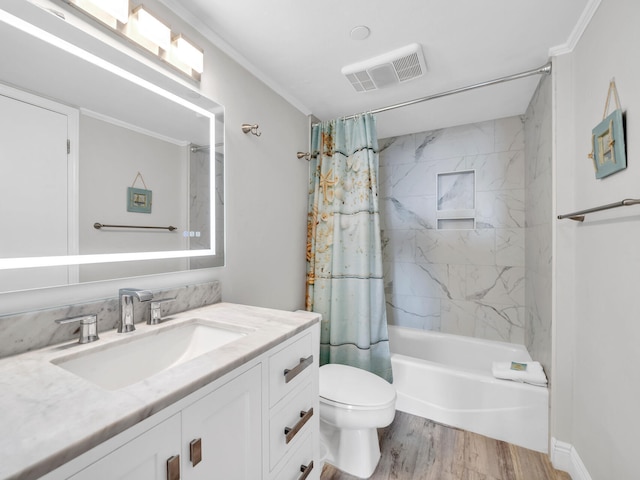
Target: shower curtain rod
(545, 69)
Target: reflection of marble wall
(468, 282)
(538, 138)
(199, 199)
(200, 207)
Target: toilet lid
(354, 386)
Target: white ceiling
(298, 47)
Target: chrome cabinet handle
(173, 468)
(292, 432)
(294, 372)
(306, 470)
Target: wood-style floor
(414, 448)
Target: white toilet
(354, 403)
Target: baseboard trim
(565, 457)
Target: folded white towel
(533, 373)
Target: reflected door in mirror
(34, 206)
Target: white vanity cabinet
(293, 410)
(218, 434)
(143, 457)
(221, 432)
(259, 421)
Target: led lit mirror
(104, 175)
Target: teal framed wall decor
(607, 138)
(608, 145)
(138, 200)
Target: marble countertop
(50, 416)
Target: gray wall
(467, 282)
(597, 332)
(112, 155)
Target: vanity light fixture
(107, 11)
(151, 28)
(147, 31)
(186, 52)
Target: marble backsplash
(32, 330)
(467, 281)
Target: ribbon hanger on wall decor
(139, 176)
(612, 90)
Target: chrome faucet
(125, 296)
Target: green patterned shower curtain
(344, 253)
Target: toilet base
(354, 451)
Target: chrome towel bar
(579, 216)
(98, 226)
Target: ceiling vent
(385, 70)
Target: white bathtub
(447, 378)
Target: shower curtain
(344, 254)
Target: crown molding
(583, 22)
(176, 7)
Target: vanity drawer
(291, 422)
(290, 367)
(300, 465)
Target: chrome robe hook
(253, 129)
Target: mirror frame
(216, 252)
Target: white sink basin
(139, 356)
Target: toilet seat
(348, 387)
(347, 406)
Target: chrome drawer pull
(306, 470)
(173, 468)
(304, 418)
(291, 374)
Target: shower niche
(456, 200)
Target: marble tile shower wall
(538, 251)
(466, 282)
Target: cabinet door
(143, 458)
(227, 423)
